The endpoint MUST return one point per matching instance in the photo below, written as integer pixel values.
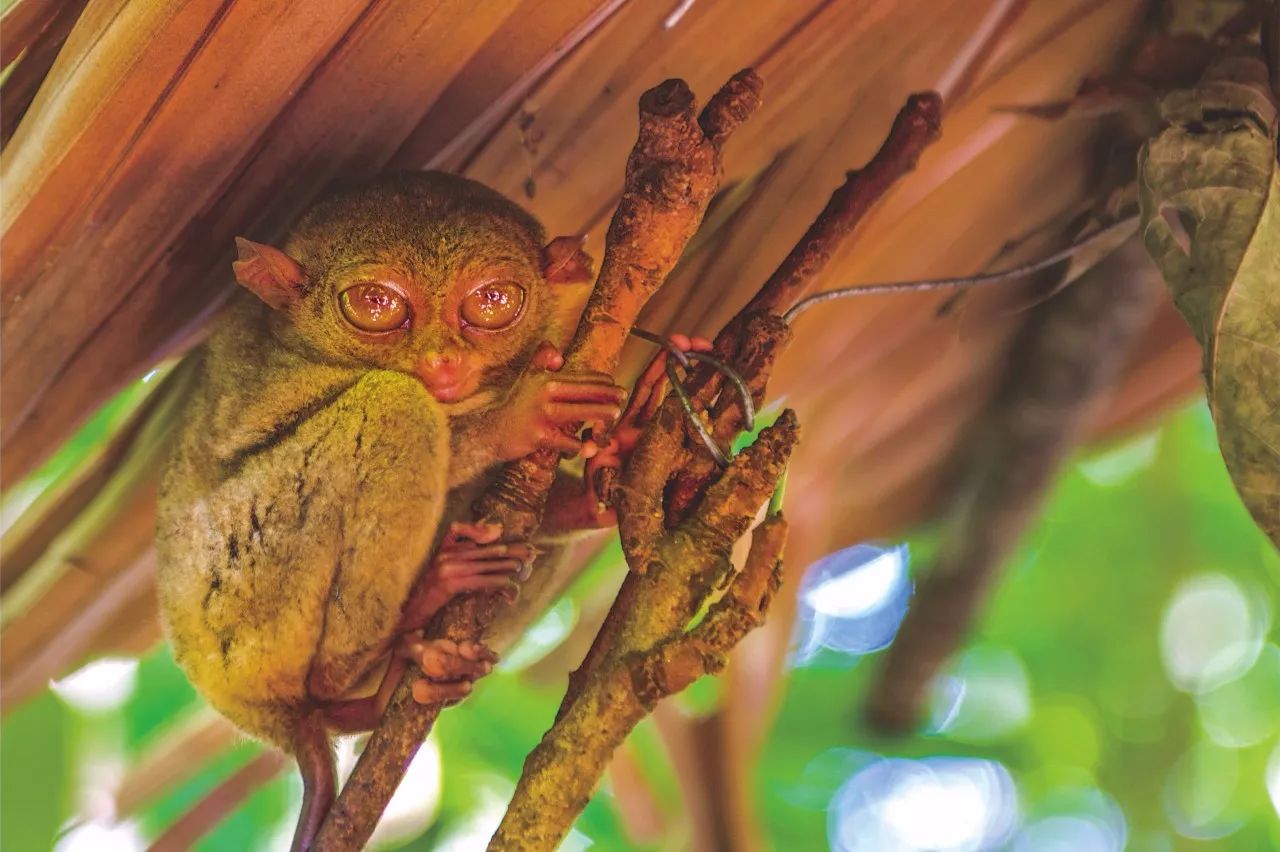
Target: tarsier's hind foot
(449, 668)
(470, 559)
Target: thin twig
(966, 281)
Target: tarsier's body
(395, 355)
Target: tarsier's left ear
(564, 261)
(269, 273)
(567, 266)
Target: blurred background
(1120, 686)
(1122, 692)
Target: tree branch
(679, 555)
(756, 334)
(1067, 358)
(672, 174)
(561, 772)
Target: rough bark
(679, 555)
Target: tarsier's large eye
(492, 306)
(373, 307)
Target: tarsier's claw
(527, 569)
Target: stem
(1122, 228)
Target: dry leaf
(1210, 198)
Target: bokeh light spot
(1212, 632)
(99, 837)
(943, 804)
(853, 601)
(414, 805)
(98, 687)
(1064, 732)
(475, 831)
(1118, 465)
(1273, 778)
(1074, 819)
(1068, 834)
(1199, 791)
(985, 696)
(544, 636)
(1245, 711)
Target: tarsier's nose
(444, 375)
(434, 361)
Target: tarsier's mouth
(451, 388)
(452, 392)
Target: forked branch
(672, 174)
(679, 555)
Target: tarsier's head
(425, 273)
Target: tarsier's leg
(391, 481)
(469, 559)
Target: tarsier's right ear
(565, 262)
(269, 273)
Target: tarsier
(394, 351)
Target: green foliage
(36, 757)
(1082, 608)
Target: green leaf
(36, 773)
(1210, 197)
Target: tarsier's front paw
(648, 394)
(449, 668)
(550, 403)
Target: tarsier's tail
(319, 778)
